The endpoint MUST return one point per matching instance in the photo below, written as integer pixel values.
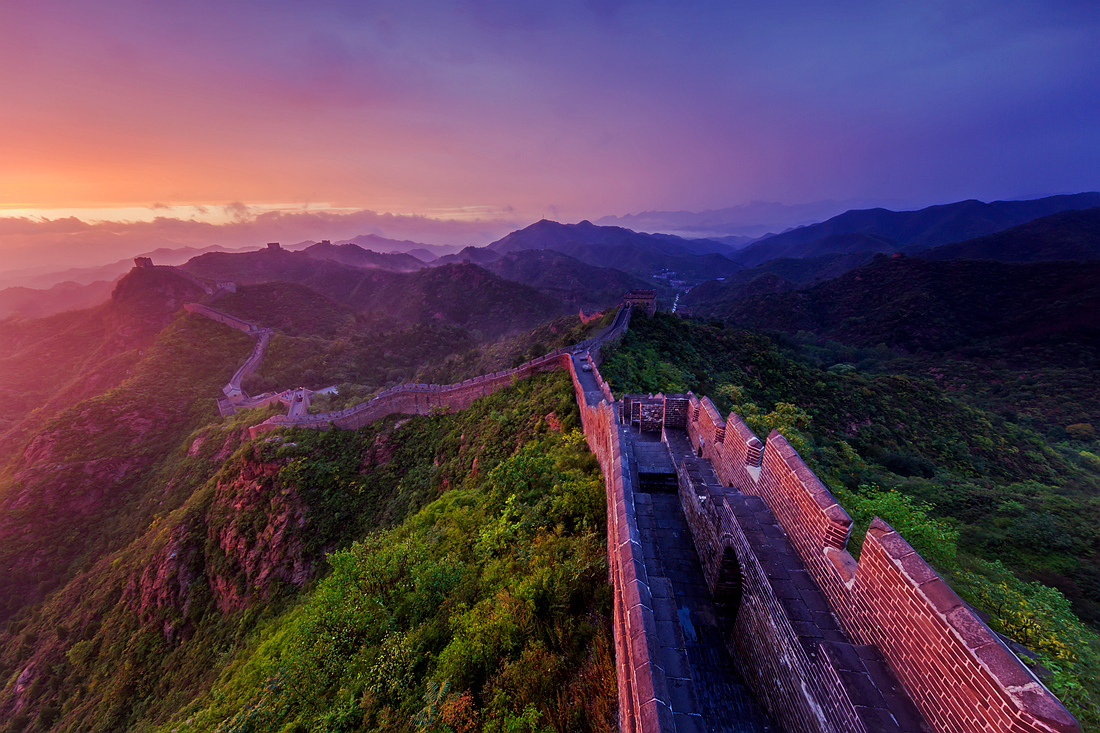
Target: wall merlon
(843, 562)
(940, 597)
(1048, 713)
(892, 544)
(834, 512)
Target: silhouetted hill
(457, 294)
(568, 279)
(461, 294)
(476, 255)
(290, 308)
(642, 255)
(356, 256)
(918, 305)
(383, 244)
(264, 265)
(423, 255)
(546, 234)
(32, 303)
(918, 230)
(1068, 235)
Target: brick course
(960, 675)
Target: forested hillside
(468, 586)
(1004, 512)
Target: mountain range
(163, 569)
(912, 303)
(909, 231)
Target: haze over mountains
(804, 255)
(734, 225)
(129, 509)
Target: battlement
(956, 670)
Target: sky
(484, 115)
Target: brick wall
(250, 365)
(956, 670)
(418, 399)
(421, 399)
(205, 287)
(676, 411)
(791, 676)
(216, 315)
(644, 696)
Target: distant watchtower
(645, 298)
(273, 246)
(146, 263)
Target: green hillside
(90, 479)
(973, 489)
(467, 583)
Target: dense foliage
(487, 610)
(504, 566)
(1003, 492)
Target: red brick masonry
(956, 670)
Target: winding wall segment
(235, 398)
(421, 399)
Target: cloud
(237, 211)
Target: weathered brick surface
(953, 667)
(644, 694)
(676, 411)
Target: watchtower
(641, 297)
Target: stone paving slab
(705, 690)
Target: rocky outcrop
(237, 550)
(254, 537)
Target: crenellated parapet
(960, 675)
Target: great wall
(737, 606)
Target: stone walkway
(707, 694)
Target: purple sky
(515, 111)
